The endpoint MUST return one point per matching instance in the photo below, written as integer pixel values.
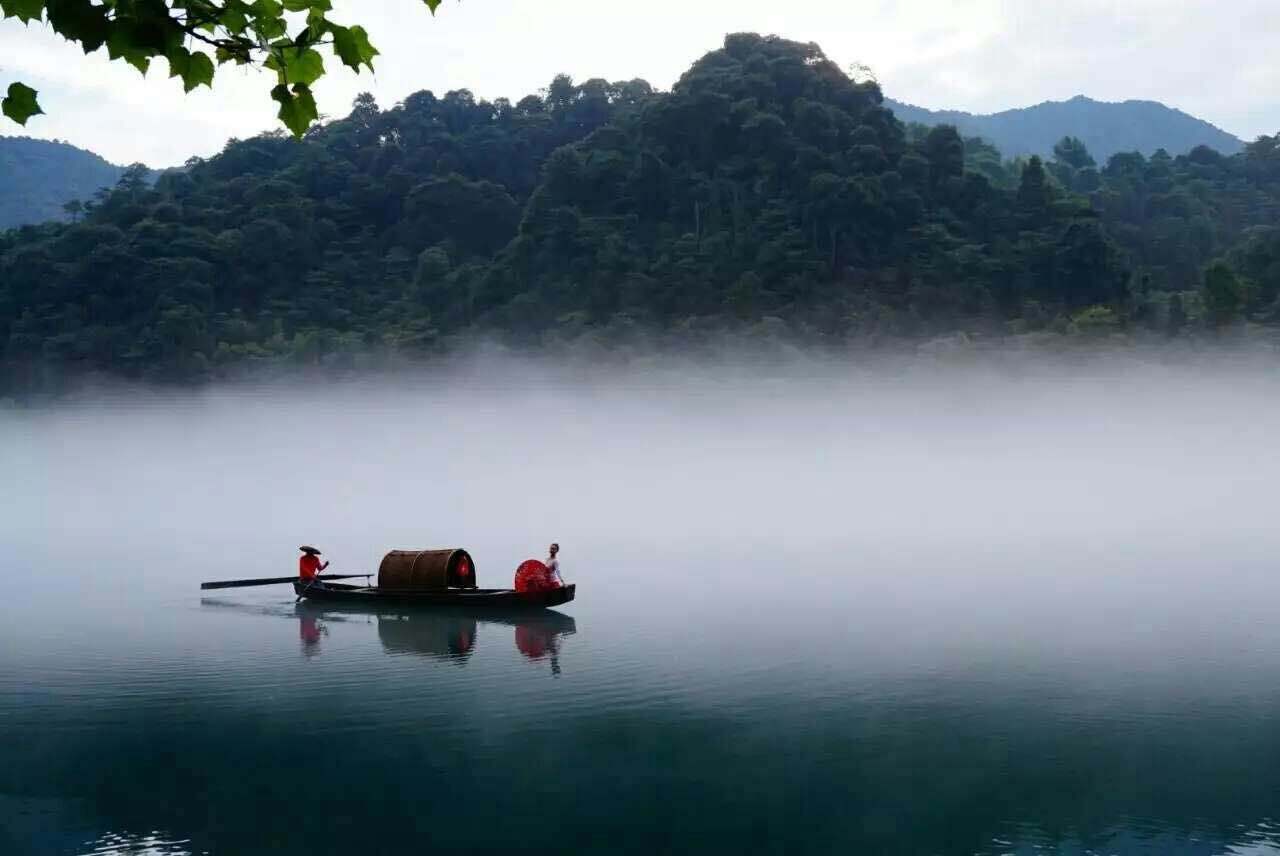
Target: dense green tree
(1256, 261)
(1173, 216)
(1073, 152)
(1223, 294)
(1177, 317)
(1073, 167)
(74, 209)
(1035, 195)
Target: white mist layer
(782, 470)
(1110, 520)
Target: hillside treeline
(767, 192)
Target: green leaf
(179, 61)
(234, 20)
(270, 28)
(240, 56)
(317, 26)
(266, 9)
(296, 65)
(297, 107)
(79, 21)
(432, 5)
(307, 5)
(266, 18)
(20, 105)
(150, 23)
(351, 45)
(120, 45)
(200, 71)
(25, 11)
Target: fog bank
(906, 462)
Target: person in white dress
(553, 565)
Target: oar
(271, 581)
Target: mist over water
(1005, 606)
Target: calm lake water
(976, 617)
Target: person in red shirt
(309, 564)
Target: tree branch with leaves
(196, 36)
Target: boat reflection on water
(439, 634)
(541, 640)
(309, 632)
(453, 637)
(439, 637)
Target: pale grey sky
(1216, 60)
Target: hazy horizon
(987, 423)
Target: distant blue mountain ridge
(38, 177)
(1105, 127)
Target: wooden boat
(470, 598)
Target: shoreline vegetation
(768, 200)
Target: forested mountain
(767, 192)
(38, 177)
(1105, 127)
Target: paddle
(307, 588)
(270, 581)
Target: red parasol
(532, 575)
